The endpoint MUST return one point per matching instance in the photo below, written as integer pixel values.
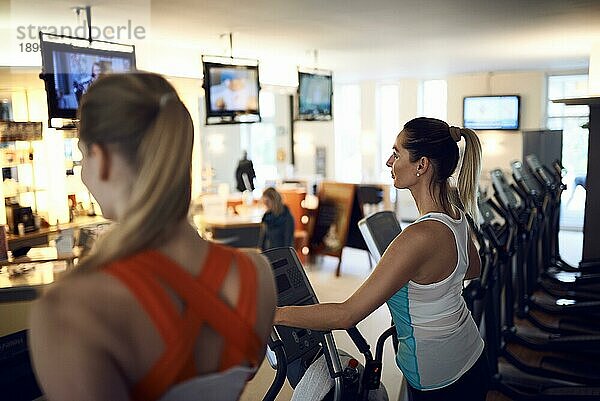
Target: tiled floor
(355, 267)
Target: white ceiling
(389, 38)
(376, 38)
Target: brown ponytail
(436, 140)
(468, 178)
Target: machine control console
(293, 288)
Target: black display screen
(386, 229)
(314, 96)
(69, 71)
(283, 284)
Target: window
(260, 141)
(347, 128)
(570, 119)
(388, 118)
(434, 99)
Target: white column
(53, 176)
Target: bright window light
(388, 117)
(435, 99)
(347, 128)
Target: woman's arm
(400, 263)
(70, 361)
(474, 269)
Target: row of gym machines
(538, 314)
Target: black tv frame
(311, 117)
(221, 117)
(46, 49)
(517, 128)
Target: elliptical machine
(310, 359)
(292, 352)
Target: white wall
(308, 135)
(500, 147)
(369, 138)
(283, 123)
(223, 149)
(189, 91)
(222, 145)
(409, 93)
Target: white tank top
(438, 339)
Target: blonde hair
(275, 197)
(141, 117)
(470, 170)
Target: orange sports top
(147, 273)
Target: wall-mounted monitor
(315, 93)
(491, 112)
(68, 72)
(231, 93)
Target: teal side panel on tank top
(406, 358)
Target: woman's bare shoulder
(82, 297)
(263, 268)
(424, 241)
(434, 242)
(267, 294)
(429, 230)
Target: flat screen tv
(69, 70)
(315, 92)
(231, 93)
(491, 112)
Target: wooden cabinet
(294, 199)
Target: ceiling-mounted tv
(231, 93)
(315, 93)
(69, 70)
(491, 112)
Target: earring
(418, 174)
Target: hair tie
(455, 133)
(164, 99)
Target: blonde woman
(153, 307)
(278, 221)
(421, 273)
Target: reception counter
(43, 235)
(23, 281)
(19, 285)
(240, 231)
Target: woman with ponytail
(154, 308)
(420, 275)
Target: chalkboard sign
(333, 217)
(365, 194)
(331, 227)
(340, 209)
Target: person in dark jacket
(278, 221)
(245, 168)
